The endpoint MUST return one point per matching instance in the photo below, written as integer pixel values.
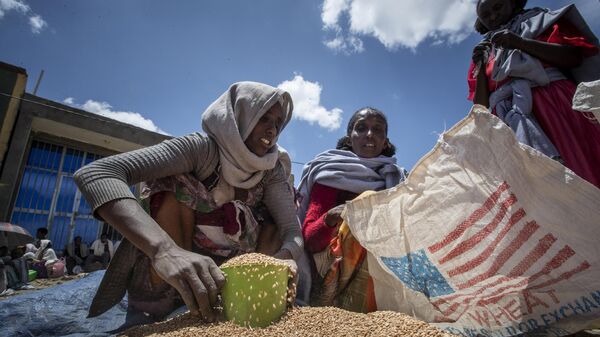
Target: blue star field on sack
(417, 272)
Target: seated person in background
(102, 251)
(4, 289)
(40, 234)
(30, 251)
(8, 276)
(15, 267)
(362, 161)
(44, 259)
(75, 253)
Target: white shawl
(46, 253)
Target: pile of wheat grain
(303, 321)
(253, 259)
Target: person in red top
(524, 70)
(362, 161)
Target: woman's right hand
(481, 53)
(196, 277)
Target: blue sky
(159, 64)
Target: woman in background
(524, 69)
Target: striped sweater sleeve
(109, 178)
(279, 200)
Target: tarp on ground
(59, 311)
(486, 237)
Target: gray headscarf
(229, 121)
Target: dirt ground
(44, 283)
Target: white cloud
(9, 5)
(36, 22)
(105, 109)
(307, 99)
(401, 23)
(332, 9)
(345, 44)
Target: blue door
(48, 196)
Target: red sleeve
(472, 80)
(315, 231)
(563, 32)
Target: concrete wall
(12, 84)
(38, 116)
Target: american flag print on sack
(486, 237)
(497, 259)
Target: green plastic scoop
(255, 295)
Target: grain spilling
(303, 321)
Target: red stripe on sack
(564, 276)
(469, 297)
(504, 255)
(561, 257)
(451, 309)
(475, 293)
(477, 215)
(485, 254)
(481, 234)
(540, 249)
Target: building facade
(42, 143)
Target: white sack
(487, 236)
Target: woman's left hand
(292, 282)
(506, 39)
(283, 254)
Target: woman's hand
(506, 39)
(196, 277)
(283, 254)
(481, 53)
(561, 56)
(292, 282)
(334, 216)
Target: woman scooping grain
(207, 198)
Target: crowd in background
(22, 264)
